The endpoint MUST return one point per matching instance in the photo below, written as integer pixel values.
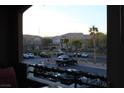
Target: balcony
(55, 78)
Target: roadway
(50, 62)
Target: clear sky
(52, 20)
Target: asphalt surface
(94, 70)
(50, 62)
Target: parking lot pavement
(81, 61)
(91, 64)
(93, 70)
(51, 61)
(97, 68)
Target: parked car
(31, 55)
(77, 54)
(64, 60)
(26, 56)
(85, 55)
(59, 54)
(44, 55)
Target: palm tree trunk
(94, 36)
(61, 46)
(67, 46)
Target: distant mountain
(74, 36)
(71, 36)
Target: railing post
(30, 68)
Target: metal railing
(65, 78)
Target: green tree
(61, 43)
(66, 41)
(89, 43)
(101, 42)
(46, 42)
(77, 44)
(93, 30)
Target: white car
(64, 60)
(84, 55)
(63, 57)
(30, 55)
(26, 56)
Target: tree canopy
(77, 44)
(46, 41)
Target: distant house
(31, 42)
(56, 40)
(70, 36)
(85, 37)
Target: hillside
(75, 36)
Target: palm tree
(77, 44)
(61, 43)
(93, 30)
(66, 41)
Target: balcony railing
(56, 77)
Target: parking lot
(84, 64)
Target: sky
(54, 20)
